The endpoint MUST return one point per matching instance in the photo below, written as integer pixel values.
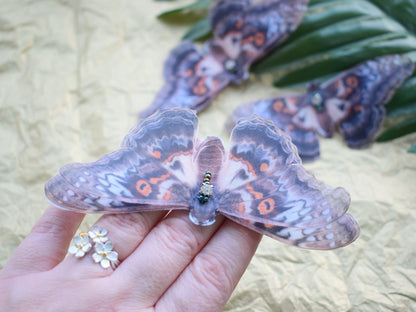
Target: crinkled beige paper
(74, 74)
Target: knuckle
(128, 224)
(211, 272)
(180, 236)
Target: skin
(167, 264)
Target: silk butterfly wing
(377, 81)
(192, 79)
(264, 187)
(267, 24)
(153, 170)
(353, 101)
(244, 32)
(281, 110)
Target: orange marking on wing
(287, 111)
(143, 187)
(156, 154)
(167, 196)
(159, 179)
(266, 206)
(336, 84)
(177, 154)
(189, 72)
(290, 127)
(267, 225)
(278, 105)
(357, 108)
(239, 24)
(248, 40)
(250, 167)
(200, 88)
(352, 81)
(250, 189)
(241, 207)
(259, 38)
(264, 167)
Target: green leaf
(199, 31)
(403, 11)
(405, 127)
(404, 101)
(412, 148)
(329, 40)
(338, 59)
(327, 13)
(188, 13)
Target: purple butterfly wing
(334, 235)
(356, 97)
(192, 79)
(281, 111)
(153, 171)
(269, 23)
(265, 187)
(244, 32)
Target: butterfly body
(258, 182)
(242, 33)
(351, 102)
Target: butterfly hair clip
(242, 33)
(259, 182)
(353, 102)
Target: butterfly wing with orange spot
(354, 99)
(153, 170)
(192, 79)
(281, 111)
(265, 188)
(269, 23)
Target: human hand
(167, 263)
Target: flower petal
(97, 257)
(112, 256)
(79, 253)
(73, 250)
(105, 263)
(86, 247)
(77, 240)
(99, 247)
(108, 246)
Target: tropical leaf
(186, 14)
(200, 30)
(400, 129)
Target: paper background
(74, 74)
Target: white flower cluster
(104, 253)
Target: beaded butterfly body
(243, 33)
(352, 102)
(259, 183)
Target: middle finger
(162, 256)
